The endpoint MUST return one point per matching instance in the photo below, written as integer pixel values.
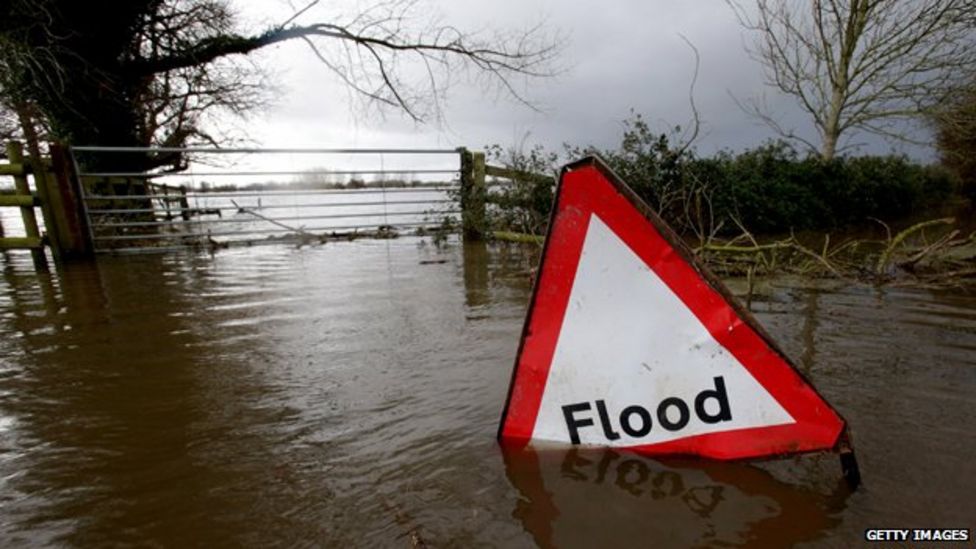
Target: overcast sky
(618, 56)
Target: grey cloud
(619, 56)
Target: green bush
(522, 204)
(768, 189)
(771, 189)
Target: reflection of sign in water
(631, 343)
(578, 497)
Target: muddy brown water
(349, 394)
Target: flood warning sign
(629, 342)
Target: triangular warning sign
(630, 342)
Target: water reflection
(603, 498)
(476, 278)
(110, 399)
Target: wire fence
(225, 197)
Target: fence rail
(119, 203)
(240, 196)
(25, 200)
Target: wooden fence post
(474, 221)
(15, 153)
(51, 206)
(68, 206)
(184, 204)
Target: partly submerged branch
(902, 257)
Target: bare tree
(176, 103)
(955, 128)
(149, 72)
(20, 120)
(860, 64)
(8, 124)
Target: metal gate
(248, 196)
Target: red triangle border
(590, 187)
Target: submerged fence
(124, 199)
(248, 196)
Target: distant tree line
(315, 184)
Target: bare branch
(159, 71)
(856, 64)
(696, 116)
(298, 13)
(379, 40)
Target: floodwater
(348, 395)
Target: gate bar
(217, 150)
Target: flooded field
(348, 395)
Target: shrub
(768, 189)
(522, 204)
(772, 189)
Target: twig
(272, 221)
(893, 243)
(822, 259)
(944, 242)
(883, 224)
